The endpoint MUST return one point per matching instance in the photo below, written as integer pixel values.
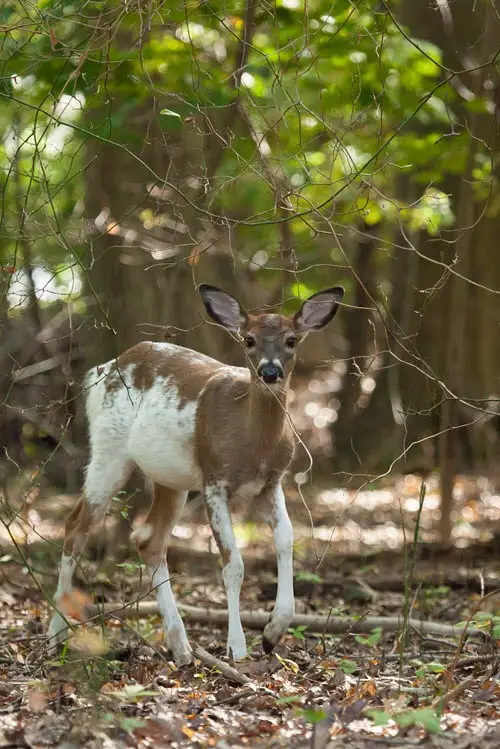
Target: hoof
(183, 659)
(237, 654)
(267, 645)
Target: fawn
(190, 422)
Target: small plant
(429, 598)
(347, 666)
(312, 715)
(430, 668)
(308, 577)
(298, 632)
(125, 723)
(289, 699)
(426, 717)
(372, 640)
(125, 507)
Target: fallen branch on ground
(228, 671)
(443, 701)
(377, 583)
(324, 624)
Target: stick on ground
(228, 671)
(258, 619)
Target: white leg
(284, 607)
(174, 626)
(104, 478)
(216, 499)
(58, 629)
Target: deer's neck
(266, 409)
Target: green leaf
(302, 291)
(372, 639)
(170, 113)
(298, 632)
(308, 577)
(133, 692)
(290, 698)
(379, 717)
(432, 668)
(130, 724)
(314, 716)
(422, 716)
(347, 666)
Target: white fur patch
(153, 428)
(161, 437)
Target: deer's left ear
(223, 308)
(318, 310)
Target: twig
(408, 580)
(38, 368)
(226, 670)
(470, 660)
(258, 619)
(444, 700)
(451, 669)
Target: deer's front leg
(216, 500)
(284, 607)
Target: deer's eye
(249, 341)
(291, 341)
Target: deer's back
(145, 403)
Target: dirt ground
(117, 686)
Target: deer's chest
(249, 475)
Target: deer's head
(271, 340)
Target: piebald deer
(190, 422)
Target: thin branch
(228, 671)
(258, 620)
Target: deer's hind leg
(105, 476)
(152, 542)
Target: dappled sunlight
(348, 520)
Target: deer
(190, 422)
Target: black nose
(270, 372)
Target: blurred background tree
(271, 150)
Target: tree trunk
(359, 332)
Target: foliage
(332, 107)
(422, 716)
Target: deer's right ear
(223, 308)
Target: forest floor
(367, 687)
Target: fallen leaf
(188, 732)
(90, 642)
(37, 701)
(73, 604)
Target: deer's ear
(223, 308)
(318, 310)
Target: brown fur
(241, 446)
(251, 438)
(161, 519)
(78, 525)
(150, 363)
(242, 429)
